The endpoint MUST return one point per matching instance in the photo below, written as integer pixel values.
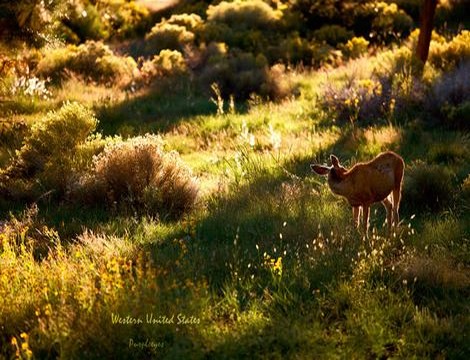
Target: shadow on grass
(152, 111)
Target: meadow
(164, 207)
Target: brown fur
(378, 180)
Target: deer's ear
(320, 169)
(334, 160)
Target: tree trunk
(426, 24)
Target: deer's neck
(339, 186)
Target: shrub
(48, 154)
(295, 49)
(191, 22)
(449, 98)
(242, 74)
(391, 22)
(362, 100)
(94, 61)
(428, 187)
(139, 175)
(251, 14)
(84, 21)
(355, 47)
(333, 34)
(448, 56)
(168, 36)
(168, 63)
(128, 19)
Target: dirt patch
(157, 5)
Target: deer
(366, 183)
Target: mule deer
(366, 183)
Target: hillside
(156, 195)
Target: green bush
(355, 47)
(251, 14)
(191, 22)
(137, 174)
(428, 188)
(94, 61)
(449, 55)
(47, 157)
(243, 74)
(129, 19)
(168, 36)
(90, 20)
(84, 22)
(295, 50)
(167, 64)
(333, 34)
(390, 22)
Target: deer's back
(373, 181)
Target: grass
(267, 264)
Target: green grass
(268, 263)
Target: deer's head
(335, 172)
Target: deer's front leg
(356, 213)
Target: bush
(168, 63)
(128, 19)
(449, 98)
(333, 34)
(191, 22)
(295, 50)
(449, 55)
(48, 155)
(84, 21)
(391, 22)
(251, 14)
(428, 187)
(243, 74)
(169, 36)
(137, 174)
(355, 47)
(93, 60)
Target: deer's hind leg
(396, 197)
(388, 207)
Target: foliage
(243, 15)
(94, 61)
(138, 174)
(167, 64)
(168, 36)
(379, 21)
(48, 153)
(242, 74)
(449, 55)
(429, 187)
(449, 98)
(355, 47)
(333, 34)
